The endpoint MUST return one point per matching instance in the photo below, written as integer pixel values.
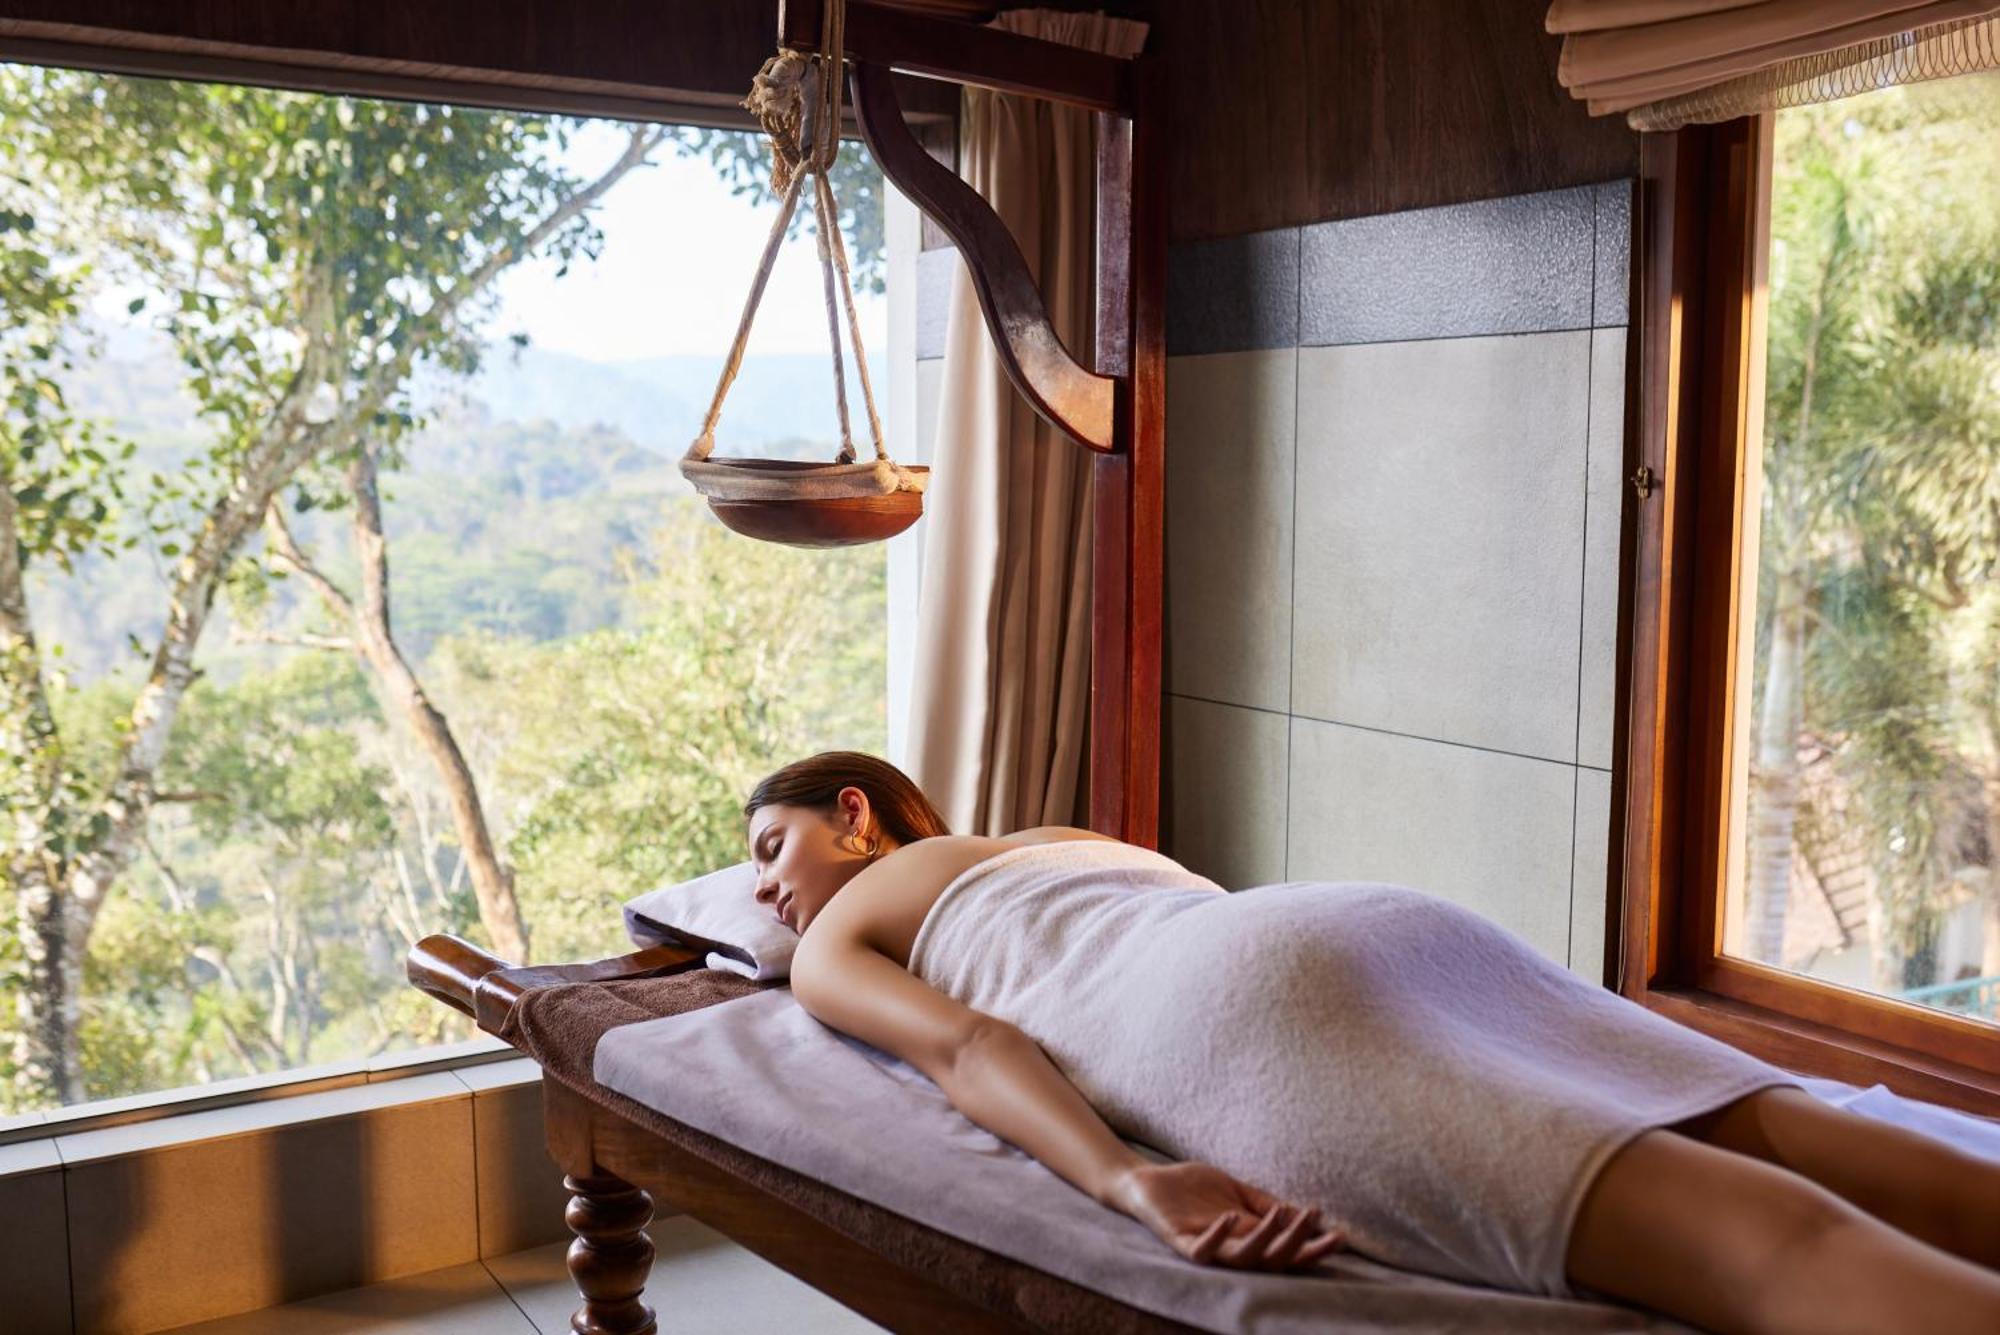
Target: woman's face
(800, 861)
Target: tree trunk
(492, 882)
(1774, 778)
(48, 996)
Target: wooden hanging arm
(966, 53)
(484, 986)
(1074, 400)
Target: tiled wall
(1395, 447)
(1394, 457)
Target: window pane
(1868, 768)
(232, 796)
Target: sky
(679, 253)
(678, 256)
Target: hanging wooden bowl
(847, 521)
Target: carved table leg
(611, 1257)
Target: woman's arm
(1000, 1078)
(989, 1069)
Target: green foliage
(285, 224)
(616, 689)
(316, 250)
(1881, 467)
(626, 754)
(62, 473)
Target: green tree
(60, 502)
(626, 753)
(1878, 523)
(316, 250)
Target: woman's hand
(1211, 1218)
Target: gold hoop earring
(868, 849)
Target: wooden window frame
(1701, 230)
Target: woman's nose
(766, 889)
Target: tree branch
(304, 640)
(279, 535)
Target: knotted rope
(778, 97)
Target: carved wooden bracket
(1074, 400)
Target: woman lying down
(1356, 1066)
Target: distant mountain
(782, 403)
(517, 498)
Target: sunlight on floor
(705, 1280)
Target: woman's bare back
(885, 906)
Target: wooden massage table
(620, 1156)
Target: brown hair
(906, 815)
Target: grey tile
(1613, 279)
(1230, 421)
(261, 1115)
(1497, 266)
(1605, 499)
(1590, 873)
(1486, 831)
(1226, 813)
(1440, 539)
(1235, 294)
(700, 1278)
(461, 1300)
(937, 270)
(399, 1064)
(500, 1075)
(34, 1248)
(28, 1156)
(19, 1121)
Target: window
(1866, 801)
(459, 351)
(1813, 721)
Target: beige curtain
(1666, 63)
(999, 708)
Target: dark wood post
(611, 1257)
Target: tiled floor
(701, 1281)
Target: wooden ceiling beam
(894, 37)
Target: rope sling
(782, 500)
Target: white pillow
(718, 912)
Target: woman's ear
(854, 807)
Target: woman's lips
(785, 912)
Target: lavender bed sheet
(761, 1073)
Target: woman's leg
(1923, 1186)
(1730, 1243)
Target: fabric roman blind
(1668, 63)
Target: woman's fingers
(1286, 1237)
(1285, 1246)
(1325, 1245)
(1248, 1250)
(1211, 1237)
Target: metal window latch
(1643, 481)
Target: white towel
(1437, 1087)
